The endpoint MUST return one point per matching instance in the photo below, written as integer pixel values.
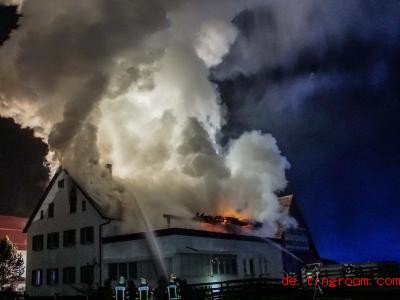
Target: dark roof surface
(307, 256)
(186, 232)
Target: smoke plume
(127, 83)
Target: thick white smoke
(17, 3)
(126, 82)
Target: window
(132, 268)
(60, 183)
(69, 238)
(245, 266)
(128, 270)
(214, 262)
(224, 264)
(234, 267)
(37, 277)
(37, 242)
(296, 239)
(123, 270)
(113, 271)
(148, 269)
(41, 215)
(194, 265)
(221, 265)
(87, 275)
(69, 275)
(251, 264)
(87, 235)
(52, 240)
(83, 205)
(228, 267)
(72, 199)
(265, 265)
(51, 210)
(52, 276)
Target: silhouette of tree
(11, 263)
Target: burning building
(129, 84)
(73, 242)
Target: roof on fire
(287, 202)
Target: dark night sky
(22, 174)
(335, 114)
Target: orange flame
(224, 211)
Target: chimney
(109, 168)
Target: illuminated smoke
(16, 3)
(127, 83)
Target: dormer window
(73, 199)
(41, 215)
(61, 183)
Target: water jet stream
(151, 240)
(283, 249)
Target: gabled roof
(44, 195)
(93, 202)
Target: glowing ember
(229, 220)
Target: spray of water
(277, 246)
(151, 241)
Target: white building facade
(71, 246)
(63, 240)
(194, 255)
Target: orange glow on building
(12, 227)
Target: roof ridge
(92, 201)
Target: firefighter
(105, 292)
(173, 288)
(120, 290)
(144, 291)
(317, 286)
(160, 293)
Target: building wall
(74, 256)
(179, 250)
(190, 257)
